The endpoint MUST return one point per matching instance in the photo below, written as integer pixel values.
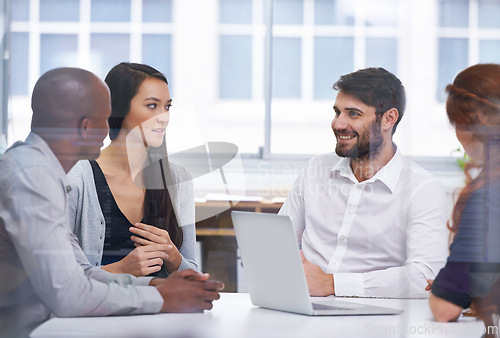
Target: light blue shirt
(43, 270)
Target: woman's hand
(151, 235)
(142, 261)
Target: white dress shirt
(383, 237)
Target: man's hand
(320, 283)
(187, 291)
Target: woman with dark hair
(132, 210)
(473, 269)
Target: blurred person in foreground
(44, 271)
(472, 272)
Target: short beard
(368, 145)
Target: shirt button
(342, 239)
(351, 212)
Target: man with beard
(372, 223)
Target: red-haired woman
(472, 271)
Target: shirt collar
(388, 175)
(44, 148)
(343, 169)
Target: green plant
(462, 158)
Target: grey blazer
(88, 224)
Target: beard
(367, 146)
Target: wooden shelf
(217, 238)
(214, 232)
(261, 206)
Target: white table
(234, 316)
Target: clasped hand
(148, 235)
(187, 291)
(153, 249)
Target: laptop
(273, 269)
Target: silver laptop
(274, 273)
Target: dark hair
(375, 87)
(124, 81)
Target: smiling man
(372, 222)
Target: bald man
(43, 270)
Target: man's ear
(389, 119)
(83, 126)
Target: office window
(235, 11)
(489, 51)
(91, 34)
(453, 13)
(452, 59)
(110, 10)
(288, 12)
(316, 43)
(287, 68)
(469, 33)
(381, 13)
(20, 10)
(59, 10)
(489, 13)
(214, 53)
(334, 12)
(236, 52)
(333, 57)
(19, 63)
(156, 10)
(382, 52)
(57, 50)
(236, 111)
(155, 51)
(235, 67)
(107, 50)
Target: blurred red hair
(474, 103)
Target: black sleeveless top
(117, 242)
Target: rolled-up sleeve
(426, 251)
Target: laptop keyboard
(318, 306)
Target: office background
(226, 76)
(258, 73)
